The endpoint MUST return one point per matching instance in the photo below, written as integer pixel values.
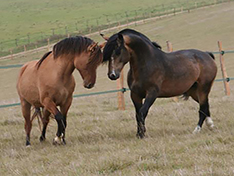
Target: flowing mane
(113, 45)
(73, 46)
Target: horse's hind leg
(201, 96)
(26, 111)
(45, 121)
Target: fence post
(223, 69)
(11, 51)
(170, 49)
(120, 85)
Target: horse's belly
(175, 89)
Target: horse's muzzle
(113, 76)
(89, 86)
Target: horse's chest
(62, 95)
(138, 88)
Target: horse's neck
(65, 66)
(145, 61)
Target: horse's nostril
(89, 86)
(112, 76)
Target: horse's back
(204, 59)
(27, 72)
(183, 68)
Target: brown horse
(155, 74)
(49, 82)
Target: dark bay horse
(156, 74)
(49, 82)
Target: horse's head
(87, 63)
(117, 54)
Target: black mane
(112, 43)
(72, 45)
(43, 58)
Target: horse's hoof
(42, 138)
(140, 135)
(57, 140)
(209, 123)
(64, 141)
(197, 130)
(28, 146)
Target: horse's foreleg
(137, 101)
(64, 109)
(149, 100)
(45, 121)
(51, 107)
(26, 111)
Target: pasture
(56, 19)
(102, 140)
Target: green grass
(30, 23)
(101, 140)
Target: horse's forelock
(95, 58)
(109, 47)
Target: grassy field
(30, 23)
(101, 140)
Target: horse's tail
(37, 113)
(185, 96)
(211, 54)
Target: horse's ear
(92, 47)
(104, 37)
(120, 39)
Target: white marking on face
(112, 66)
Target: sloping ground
(101, 140)
(26, 25)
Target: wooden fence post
(120, 85)
(170, 49)
(223, 69)
(11, 51)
